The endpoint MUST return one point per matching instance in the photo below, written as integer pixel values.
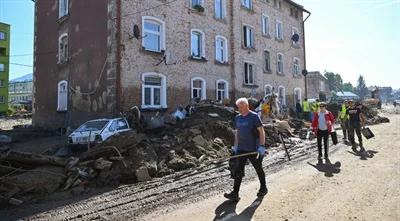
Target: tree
(348, 87)
(335, 81)
(361, 89)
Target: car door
(122, 125)
(110, 130)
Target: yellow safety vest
(306, 106)
(343, 113)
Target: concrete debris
(142, 174)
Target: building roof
(24, 78)
(297, 5)
(346, 94)
(316, 73)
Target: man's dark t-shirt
(247, 133)
(354, 114)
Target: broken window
(153, 34)
(63, 49)
(222, 90)
(199, 88)
(62, 96)
(62, 8)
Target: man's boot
(262, 192)
(234, 196)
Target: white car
(97, 131)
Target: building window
(2, 100)
(268, 89)
(197, 41)
(265, 25)
(63, 49)
(267, 61)
(279, 63)
(322, 86)
(2, 35)
(154, 91)
(297, 96)
(2, 83)
(2, 68)
(295, 31)
(62, 8)
(198, 86)
(222, 90)
(220, 9)
(279, 30)
(221, 49)
(296, 67)
(62, 98)
(248, 37)
(247, 3)
(282, 95)
(153, 34)
(249, 73)
(196, 3)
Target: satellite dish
(136, 31)
(295, 37)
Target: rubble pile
(373, 116)
(200, 139)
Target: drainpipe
(232, 53)
(304, 53)
(118, 68)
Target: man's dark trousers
(241, 163)
(357, 129)
(322, 134)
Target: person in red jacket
(322, 125)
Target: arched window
(297, 95)
(153, 38)
(197, 44)
(62, 8)
(198, 87)
(222, 88)
(221, 49)
(63, 48)
(268, 89)
(154, 90)
(62, 96)
(282, 95)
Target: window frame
(201, 3)
(161, 33)
(249, 6)
(246, 71)
(245, 37)
(294, 66)
(265, 25)
(277, 63)
(163, 91)
(202, 44)
(277, 36)
(63, 52)
(63, 10)
(61, 107)
(267, 67)
(4, 67)
(222, 14)
(270, 89)
(203, 88)
(284, 94)
(224, 48)
(4, 34)
(217, 90)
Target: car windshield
(93, 125)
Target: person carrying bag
(322, 125)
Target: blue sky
(349, 37)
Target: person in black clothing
(356, 121)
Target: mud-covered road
(360, 190)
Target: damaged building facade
(158, 54)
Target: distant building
(347, 95)
(20, 91)
(4, 65)
(317, 85)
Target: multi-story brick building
(161, 54)
(317, 85)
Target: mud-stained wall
(179, 20)
(85, 71)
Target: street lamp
(305, 73)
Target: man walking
(306, 109)
(322, 126)
(344, 120)
(249, 137)
(356, 121)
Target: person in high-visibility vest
(314, 108)
(306, 109)
(344, 120)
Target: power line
(24, 65)
(21, 55)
